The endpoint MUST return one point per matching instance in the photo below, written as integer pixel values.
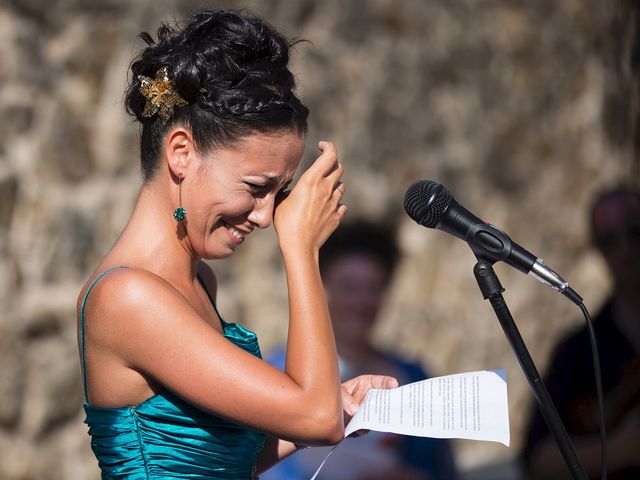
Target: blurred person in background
(357, 264)
(171, 389)
(615, 228)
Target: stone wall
(522, 109)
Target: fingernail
(352, 410)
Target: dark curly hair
(231, 68)
(362, 237)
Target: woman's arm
(353, 393)
(311, 351)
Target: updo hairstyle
(231, 68)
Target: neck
(153, 240)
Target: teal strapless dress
(167, 437)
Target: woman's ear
(180, 150)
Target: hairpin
(160, 94)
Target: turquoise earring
(179, 213)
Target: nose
(262, 213)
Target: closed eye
(261, 190)
(258, 190)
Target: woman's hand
(312, 211)
(354, 391)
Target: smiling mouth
(234, 232)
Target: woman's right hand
(312, 211)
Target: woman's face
(234, 191)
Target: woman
(171, 390)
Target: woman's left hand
(354, 391)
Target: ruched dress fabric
(167, 437)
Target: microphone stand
(492, 290)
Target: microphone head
(426, 201)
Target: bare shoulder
(126, 298)
(127, 287)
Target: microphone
(431, 205)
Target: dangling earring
(179, 213)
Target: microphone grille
(426, 201)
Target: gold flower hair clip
(160, 94)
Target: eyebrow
(273, 180)
(270, 179)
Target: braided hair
(231, 68)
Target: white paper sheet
(465, 405)
(469, 405)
